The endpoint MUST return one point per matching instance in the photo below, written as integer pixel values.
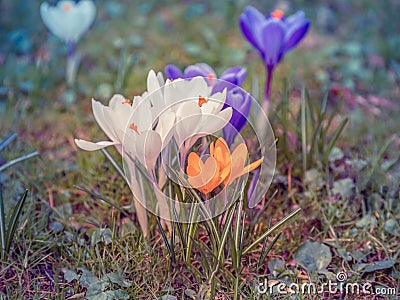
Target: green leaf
(367, 221)
(271, 230)
(391, 226)
(335, 154)
(12, 224)
(343, 187)
(276, 266)
(345, 254)
(375, 266)
(87, 278)
(168, 297)
(314, 178)
(191, 294)
(2, 223)
(101, 235)
(116, 295)
(4, 143)
(117, 279)
(18, 160)
(313, 256)
(70, 275)
(95, 290)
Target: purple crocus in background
(273, 36)
(236, 97)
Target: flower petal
(295, 34)
(199, 69)
(250, 22)
(68, 20)
(148, 148)
(173, 72)
(273, 41)
(235, 75)
(90, 146)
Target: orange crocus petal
(220, 151)
(220, 168)
(248, 169)
(239, 157)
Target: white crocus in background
(68, 21)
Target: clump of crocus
(273, 36)
(221, 167)
(69, 20)
(236, 97)
(140, 129)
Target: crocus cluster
(272, 36)
(236, 97)
(181, 111)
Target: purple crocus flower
(272, 36)
(236, 97)
(200, 69)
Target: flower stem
(72, 63)
(267, 92)
(71, 49)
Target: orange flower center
(127, 101)
(277, 14)
(210, 76)
(202, 100)
(134, 128)
(66, 7)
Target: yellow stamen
(202, 100)
(127, 101)
(277, 14)
(134, 128)
(66, 7)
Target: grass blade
(166, 242)
(97, 196)
(12, 224)
(2, 223)
(303, 130)
(4, 143)
(17, 160)
(271, 230)
(334, 138)
(114, 163)
(264, 252)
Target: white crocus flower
(197, 112)
(130, 124)
(189, 103)
(68, 20)
(113, 119)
